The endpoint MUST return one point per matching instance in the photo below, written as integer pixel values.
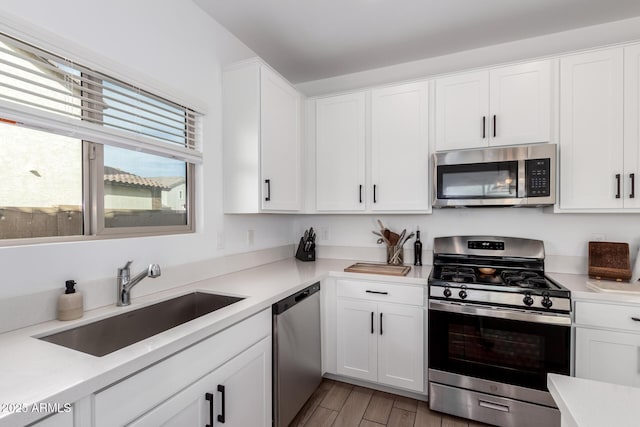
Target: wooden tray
(386, 269)
(609, 260)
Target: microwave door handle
(522, 180)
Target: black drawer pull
(268, 182)
(380, 323)
(494, 125)
(372, 322)
(377, 292)
(618, 185)
(221, 417)
(484, 127)
(635, 319)
(633, 185)
(375, 200)
(209, 397)
(360, 193)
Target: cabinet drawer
(137, 394)
(376, 291)
(608, 315)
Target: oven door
(504, 346)
(485, 183)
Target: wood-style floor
(337, 404)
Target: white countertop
(588, 403)
(34, 371)
(584, 288)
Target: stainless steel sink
(113, 333)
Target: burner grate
(524, 279)
(458, 274)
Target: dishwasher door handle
(301, 296)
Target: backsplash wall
(563, 234)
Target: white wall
(563, 234)
(174, 47)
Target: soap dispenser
(70, 303)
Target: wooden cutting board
(609, 261)
(386, 269)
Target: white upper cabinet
(261, 141)
(520, 104)
(400, 148)
(280, 143)
(462, 110)
(631, 126)
(372, 150)
(591, 130)
(503, 106)
(340, 153)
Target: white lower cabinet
(608, 342)
(609, 356)
(173, 392)
(381, 341)
(236, 394)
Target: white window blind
(41, 90)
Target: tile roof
(122, 177)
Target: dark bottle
(417, 249)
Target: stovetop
(495, 271)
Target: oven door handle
(507, 314)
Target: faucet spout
(126, 283)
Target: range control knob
(546, 301)
(527, 300)
(462, 294)
(447, 292)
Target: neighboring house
(175, 198)
(124, 190)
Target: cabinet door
(400, 149)
(591, 145)
(247, 395)
(520, 104)
(631, 126)
(357, 328)
(340, 153)
(279, 143)
(462, 111)
(608, 356)
(400, 346)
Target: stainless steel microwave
(503, 176)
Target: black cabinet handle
(360, 193)
(636, 319)
(494, 125)
(372, 322)
(377, 292)
(484, 127)
(618, 185)
(374, 194)
(380, 323)
(209, 397)
(268, 182)
(221, 417)
(633, 185)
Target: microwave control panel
(538, 177)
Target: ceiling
(308, 40)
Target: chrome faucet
(126, 283)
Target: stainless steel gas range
(497, 326)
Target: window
(82, 153)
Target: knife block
(303, 255)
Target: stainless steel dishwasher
(297, 369)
